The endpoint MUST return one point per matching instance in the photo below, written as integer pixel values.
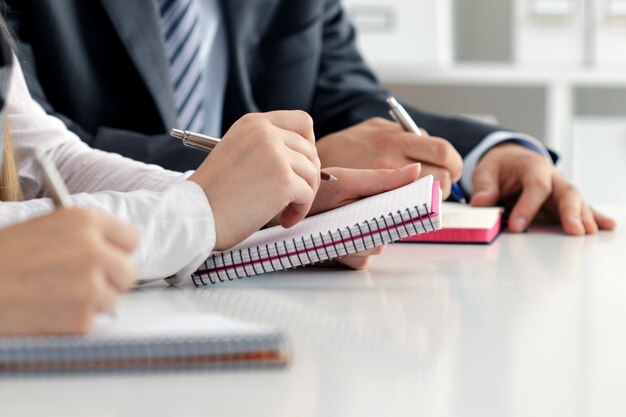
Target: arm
(175, 237)
(84, 169)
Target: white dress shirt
(172, 215)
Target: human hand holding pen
(207, 143)
(265, 165)
(400, 115)
(59, 270)
(379, 143)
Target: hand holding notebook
(373, 221)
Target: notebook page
(462, 216)
(173, 325)
(408, 196)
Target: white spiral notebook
(152, 342)
(373, 221)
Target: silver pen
(195, 140)
(400, 115)
(55, 186)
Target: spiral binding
(312, 249)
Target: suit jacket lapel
(246, 21)
(137, 25)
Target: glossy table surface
(532, 325)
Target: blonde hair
(9, 180)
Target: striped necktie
(180, 22)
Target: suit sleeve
(152, 149)
(348, 91)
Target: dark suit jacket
(100, 65)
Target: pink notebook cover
(466, 234)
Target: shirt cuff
(473, 158)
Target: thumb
(366, 182)
(485, 183)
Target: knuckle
(250, 118)
(443, 150)
(82, 217)
(305, 117)
(384, 162)
(570, 189)
(283, 173)
(378, 121)
(541, 184)
(91, 248)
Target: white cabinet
(413, 32)
(610, 35)
(599, 158)
(549, 33)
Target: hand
(58, 271)
(353, 185)
(512, 174)
(379, 143)
(265, 164)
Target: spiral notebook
(150, 342)
(465, 224)
(373, 221)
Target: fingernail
(520, 224)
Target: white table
(533, 325)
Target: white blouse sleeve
(172, 215)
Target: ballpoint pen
(208, 143)
(400, 115)
(52, 180)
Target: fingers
(576, 216)
(433, 151)
(122, 235)
(537, 187)
(119, 269)
(366, 182)
(301, 201)
(305, 169)
(441, 175)
(486, 187)
(360, 260)
(588, 220)
(106, 296)
(293, 120)
(571, 210)
(298, 144)
(603, 222)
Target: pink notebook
(465, 224)
(373, 221)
